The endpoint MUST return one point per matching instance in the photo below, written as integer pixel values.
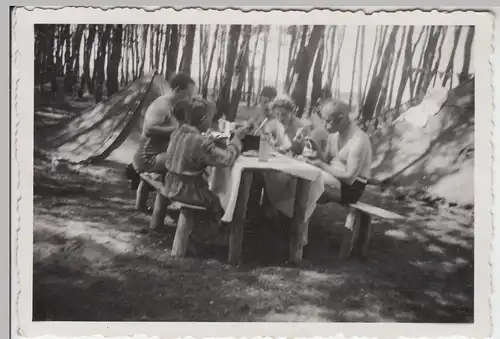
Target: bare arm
(324, 155)
(217, 156)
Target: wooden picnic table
(234, 194)
(236, 206)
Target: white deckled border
(22, 170)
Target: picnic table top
(286, 164)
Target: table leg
(299, 225)
(238, 223)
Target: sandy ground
(94, 262)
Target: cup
(222, 125)
(264, 148)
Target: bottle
(264, 147)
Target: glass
(264, 148)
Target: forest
(229, 62)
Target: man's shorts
(349, 194)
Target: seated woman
(348, 154)
(189, 154)
(283, 124)
(283, 109)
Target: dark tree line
(101, 59)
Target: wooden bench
(358, 228)
(187, 216)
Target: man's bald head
(334, 114)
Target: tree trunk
(406, 73)
(218, 71)
(329, 73)
(298, 59)
(68, 64)
(187, 52)
(430, 52)
(368, 78)
(144, 43)
(449, 68)
(381, 101)
(126, 40)
(115, 57)
(464, 75)
(416, 73)
(50, 66)
(173, 51)
(435, 70)
(159, 38)
(361, 59)
(152, 47)
(398, 57)
(40, 41)
(251, 70)
(292, 30)
(241, 71)
(317, 80)
(201, 54)
(135, 51)
(99, 63)
(232, 48)
(337, 57)
(165, 50)
(299, 92)
(279, 58)
(383, 38)
(86, 80)
(208, 71)
(59, 50)
(354, 66)
(376, 84)
(262, 73)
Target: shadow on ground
(94, 262)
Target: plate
(250, 153)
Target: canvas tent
(111, 129)
(436, 153)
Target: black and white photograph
(254, 172)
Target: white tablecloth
(280, 184)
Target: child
(266, 97)
(189, 154)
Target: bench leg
(299, 226)
(238, 223)
(352, 226)
(185, 224)
(364, 237)
(141, 198)
(159, 212)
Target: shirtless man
(348, 154)
(159, 123)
